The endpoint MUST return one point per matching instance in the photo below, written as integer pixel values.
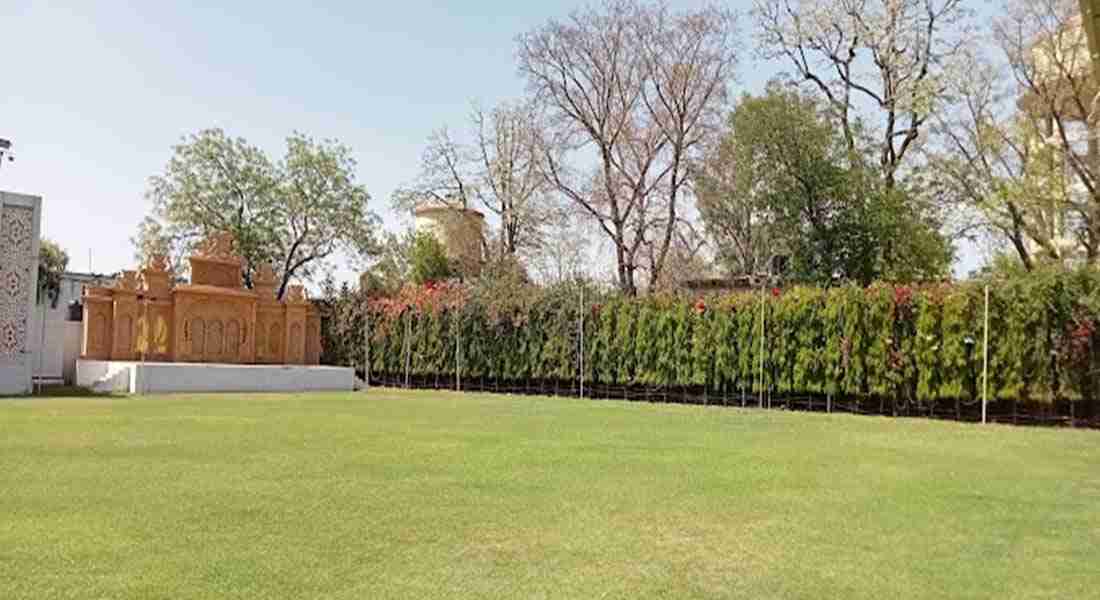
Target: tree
(636, 86)
(739, 219)
(510, 181)
(1018, 148)
(428, 259)
(52, 262)
(153, 239)
(783, 183)
(989, 164)
(392, 266)
(893, 57)
(294, 214)
(496, 168)
(1047, 51)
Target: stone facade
(19, 222)
(213, 319)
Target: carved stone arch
(261, 339)
(198, 338)
(126, 334)
(313, 344)
(99, 333)
(273, 340)
(215, 340)
(294, 351)
(233, 341)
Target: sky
(94, 94)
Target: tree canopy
(52, 262)
(782, 183)
(294, 213)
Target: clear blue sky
(93, 94)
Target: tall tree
(1019, 146)
(52, 262)
(154, 238)
(890, 57)
(989, 164)
(509, 180)
(1047, 50)
(634, 86)
(495, 167)
(294, 214)
(786, 185)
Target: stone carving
(220, 245)
(158, 263)
(127, 281)
(264, 281)
(16, 264)
(296, 294)
(265, 275)
(206, 320)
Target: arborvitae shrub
(920, 343)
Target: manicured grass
(438, 495)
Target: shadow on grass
(66, 391)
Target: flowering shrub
(911, 343)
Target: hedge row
(916, 344)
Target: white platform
(155, 378)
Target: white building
(59, 329)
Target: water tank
(460, 230)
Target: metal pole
(763, 316)
(985, 358)
(366, 346)
(408, 345)
(580, 327)
(458, 353)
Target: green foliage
(52, 262)
(909, 344)
(294, 213)
(428, 259)
(784, 181)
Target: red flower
(776, 292)
(700, 306)
(902, 295)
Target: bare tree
(893, 56)
(1047, 50)
(989, 163)
(495, 167)
(510, 181)
(688, 59)
(445, 177)
(629, 88)
(746, 232)
(1020, 145)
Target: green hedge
(915, 344)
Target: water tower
(460, 230)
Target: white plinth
(155, 378)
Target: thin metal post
(580, 327)
(366, 346)
(985, 358)
(408, 346)
(458, 353)
(763, 316)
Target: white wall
(152, 378)
(57, 359)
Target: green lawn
(439, 495)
